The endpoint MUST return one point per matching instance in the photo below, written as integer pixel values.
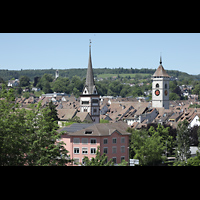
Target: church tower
(89, 100)
(160, 88)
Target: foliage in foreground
(28, 137)
(149, 146)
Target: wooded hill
(81, 72)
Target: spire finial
(90, 42)
(160, 58)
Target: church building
(160, 88)
(89, 100)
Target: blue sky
(180, 51)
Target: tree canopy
(28, 137)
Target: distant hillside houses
(13, 83)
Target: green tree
(183, 142)
(28, 137)
(46, 87)
(166, 139)
(24, 81)
(148, 149)
(36, 80)
(53, 112)
(196, 89)
(173, 96)
(61, 85)
(99, 160)
(193, 161)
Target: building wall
(118, 146)
(194, 122)
(70, 145)
(162, 100)
(91, 107)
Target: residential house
(65, 114)
(83, 139)
(13, 83)
(194, 120)
(142, 114)
(35, 89)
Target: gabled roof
(65, 114)
(84, 116)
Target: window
(88, 132)
(76, 161)
(165, 85)
(114, 149)
(157, 85)
(122, 140)
(84, 150)
(84, 140)
(105, 149)
(105, 141)
(92, 150)
(76, 150)
(95, 110)
(114, 140)
(93, 141)
(114, 159)
(76, 140)
(122, 149)
(85, 110)
(95, 101)
(122, 158)
(85, 102)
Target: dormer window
(85, 91)
(88, 132)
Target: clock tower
(89, 100)
(160, 88)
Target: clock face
(157, 92)
(166, 92)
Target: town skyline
(112, 50)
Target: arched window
(157, 85)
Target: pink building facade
(112, 139)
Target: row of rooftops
(118, 109)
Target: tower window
(157, 85)
(165, 85)
(85, 102)
(95, 101)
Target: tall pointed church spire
(90, 76)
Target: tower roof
(90, 76)
(161, 71)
